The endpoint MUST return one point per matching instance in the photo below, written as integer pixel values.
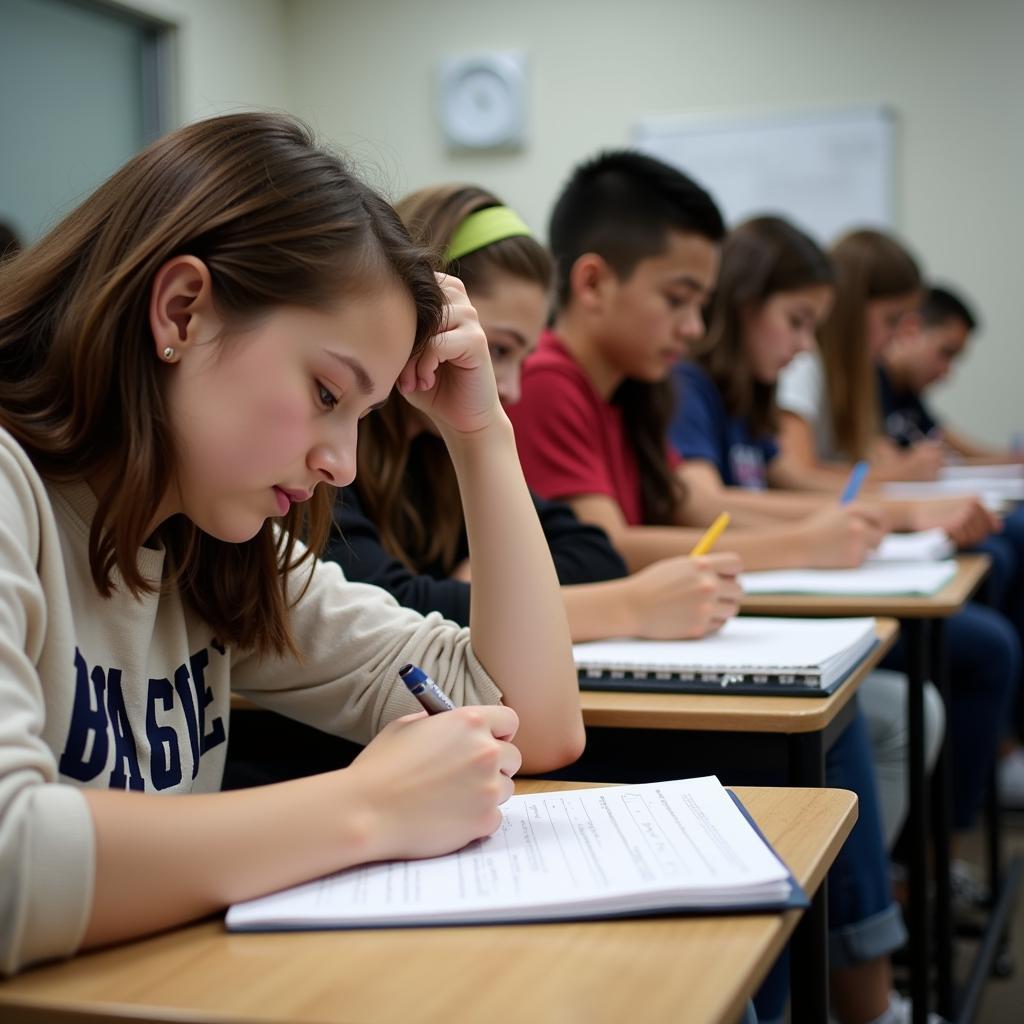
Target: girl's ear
(589, 279)
(181, 312)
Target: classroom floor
(1003, 998)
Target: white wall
(230, 54)
(363, 72)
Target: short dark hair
(621, 205)
(941, 304)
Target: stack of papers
(613, 851)
(874, 579)
(924, 546)
(990, 490)
(967, 471)
(747, 655)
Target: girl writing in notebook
(636, 252)
(401, 521)
(183, 364)
(775, 287)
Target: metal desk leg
(915, 634)
(942, 834)
(808, 971)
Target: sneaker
(901, 1011)
(967, 889)
(1010, 779)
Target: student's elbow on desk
(551, 735)
(551, 753)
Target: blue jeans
(1006, 589)
(983, 654)
(864, 922)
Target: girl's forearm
(520, 630)
(162, 861)
(776, 547)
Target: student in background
(183, 361)
(921, 355)
(830, 411)
(829, 396)
(774, 289)
(401, 523)
(635, 244)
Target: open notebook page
(741, 644)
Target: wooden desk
(921, 624)
(695, 969)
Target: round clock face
(482, 103)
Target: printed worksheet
(575, 853)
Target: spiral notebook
(686, 846)
(808, 657)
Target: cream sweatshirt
(134, 694)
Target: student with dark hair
(636, 246)
(184, 360)
(636, 251)
(401, 523)
(921, 355)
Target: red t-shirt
(571, 441)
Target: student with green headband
(401, 527)
(401, 522)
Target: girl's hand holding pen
(684, 598)
(964, 518)
(452, 379)
(841, 537)
(427, 785)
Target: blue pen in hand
(425, 690)
(853, 483)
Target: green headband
(483, 228)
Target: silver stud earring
(168, 353)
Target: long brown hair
(278, 221)
(760, 258)
(868, 265)
(425, 529)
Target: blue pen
(854, 482)
(425, 690)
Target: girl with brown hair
(401, 522)
(829, 397)
(183, 362)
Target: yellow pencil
(714, 531)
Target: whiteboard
(828, 171)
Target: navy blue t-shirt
(906, 418)
(702, 429)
